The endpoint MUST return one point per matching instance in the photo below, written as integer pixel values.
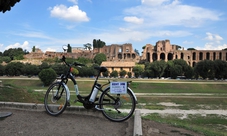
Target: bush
(47, 76)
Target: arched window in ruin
(194, 56)
(200, 56)
(128, 55)
(119, 56)
(176, 57)
(170, 56)
(214, 56)
(162, 56)
(154, 56)
(124, 55)
(226, 56)
(133, 55)
(182, 55)
(193, 64)
(208, 56)
(148, 57)
(220, 55)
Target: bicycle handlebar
(75, 63)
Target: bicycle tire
(117, 111)
(55, 104)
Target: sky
(50, 24)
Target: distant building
(163, 50)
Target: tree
(158, 67)
(2, 70)
(87, 46)
(33, 49)
(47, 76)
(7, 4)
(30, 69)
(69, 48)
(98, 43)
(189, 73)
(105, 74)
(99, 58)
(114, 74)
(148, 72)
(122, 73)
(14, 69)
(138, 70)
(220, 69)
(129, 74)
(205, 69)
(137, 52)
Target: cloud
(212, 46)
(153, 2)
(50, 49)
(213, 37)
(172, 13)
(72, 13)
(133, 19)
(24, 46)
(74, 1)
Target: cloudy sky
(50, 24)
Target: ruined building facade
(163, 50)
(119, 53)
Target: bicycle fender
(67, 91)
(133, 94)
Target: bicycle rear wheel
(117, 107)
(55, 101)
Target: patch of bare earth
(152, 128)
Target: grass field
(189, 95)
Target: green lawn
(211, 125)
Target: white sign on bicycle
(118, 87)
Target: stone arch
(214, 56)
(193, 64)
(194, 56)
(133, 55)
(170, 56)
(208, 56)
(200, 56)
(182, 55)
(162, 56)
(154, 56)
(119, 56)
(148, 57)
(220, 55)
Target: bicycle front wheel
(117, 107)
(55, 101)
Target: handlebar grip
(78, 64)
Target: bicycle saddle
(101, 69)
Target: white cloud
(133, 19)
(50, 49)
(213, 37)
(74, 1)
(172, 13)
(212, 46)
(72, 13)
(153, 2)
(24, 46)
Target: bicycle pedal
(97, 108)
(68, 103)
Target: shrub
(47, 76)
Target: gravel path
(38, 123)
